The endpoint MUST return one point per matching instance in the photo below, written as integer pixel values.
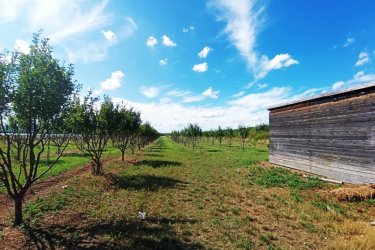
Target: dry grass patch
(357, 193)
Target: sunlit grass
(213, 197)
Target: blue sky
(216, 62)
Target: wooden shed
(332, 135)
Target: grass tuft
(280, 177)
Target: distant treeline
(193, 133)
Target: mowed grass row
(71, 158)
(211, 198)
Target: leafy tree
(60, 134)
(147, 134)
(229, 133)
(219, 133)
(95, 127)
(35, 90)
(243, 133)
(193, 132)
(127, 126)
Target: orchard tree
(147, 134)
(127, 125)
(193, 133)
(219, 133)
(95, 127)
(243, 133)
(60, 134)
(229, 133)
(35, 90)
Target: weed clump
(280, 177)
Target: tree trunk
(18, 218)
(18, 157)
(96, 167)
(123, 155)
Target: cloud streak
(244, 20)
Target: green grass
(211, 198)
(280, 177)
(71, 158)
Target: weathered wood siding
(333, 138)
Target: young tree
(219, 135)
(35, 89)
(95, 127)
(17, 138)
(193, 132)
(243, 133)
(229, 133)
(60, 134)
(147, 134)
(127, 126)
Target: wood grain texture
(333, 138)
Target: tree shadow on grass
(152, 155)
(156, 150)
(148, 182)
(158, 163)
(151, 233)
(76, 154)
(213, 150)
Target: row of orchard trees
(95, 127)
(39, 106)
(192, 134)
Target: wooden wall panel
(334, 139)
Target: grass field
(211, 198)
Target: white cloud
(10, 10)
(168, 42)
(169, 116)
(189, 99)
(109, 35)
(239, 94)
(363, 58)
(349, 41)
(66, 22)
(211, 93)
(129, 28)
(95, 51)
(61, 19)
(337, 85)
(151, 41)
(113, 82)
(262, 85)
(204, 52)
(150, 92)
(188, 29)
(278, 62)
(92, 52)
(358, 78)
(208, 93)
(202, 67)
(163, 62)
(362, 77)
(243, 22)
(177, 93)
(22, 46)
(265, 99)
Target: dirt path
(44, 188)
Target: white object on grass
(142, 215)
